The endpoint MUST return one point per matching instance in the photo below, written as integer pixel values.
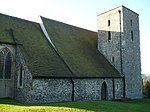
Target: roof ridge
(68, 24)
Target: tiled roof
(78, 47)
(39, 55)
(77, 54)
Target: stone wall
(60, 90)
(22, 93)
(110, 48)
(87, 89)
(51, 90)
(131, 54)
(122, 50)
(118, 88)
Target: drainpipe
(113, 89)
(72, 89)
(121, 60)
(124, 89)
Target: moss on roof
(78, 47)
(41, 58)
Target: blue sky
(82, 13)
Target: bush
(147, 89)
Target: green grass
(140, 105)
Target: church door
(104, 91)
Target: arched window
(1, 64)
(104, 91)
(8, 66)
(5, 63)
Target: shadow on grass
(76, 105)
(84, 105)
(106, 106)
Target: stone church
(51, 61)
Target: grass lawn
(138, 105)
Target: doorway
(104, 91)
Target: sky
(82, 13)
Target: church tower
(119, 42)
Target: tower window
(108, 22)
(109, 36)
(131, 22)
(113, 59)
(132, 35)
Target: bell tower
(119, 42)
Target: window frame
(5, 51)
(2, 64)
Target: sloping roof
(78, 48)
(77, 54)
(40, 57)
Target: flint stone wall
(62, 90)
(22, 93)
